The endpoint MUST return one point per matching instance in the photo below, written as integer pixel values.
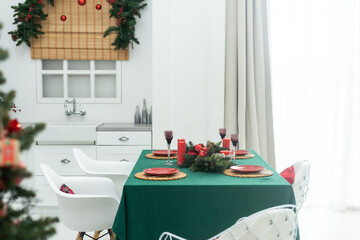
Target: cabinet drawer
(61, 158)
(44, 193)
(124, 138)
(120, 153)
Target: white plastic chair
(118, 172)
(278, 223)
(301, 181)
(93, 206)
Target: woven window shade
(80, 37)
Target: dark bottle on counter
(150, 116)
(144, 116)
(137, 117)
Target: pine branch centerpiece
(205, 158)
(29, 15)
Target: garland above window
(28, 17)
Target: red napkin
(288, 174)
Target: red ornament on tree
(98, 6)
(63, 18)
(13, 126)
(82, 2)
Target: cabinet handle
(124, 160)
(65, 160)
(124, 139)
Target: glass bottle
(137, 117)
(144, 116)
(150, 116)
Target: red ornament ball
(63, 18)
(82, 2)
(98, 6)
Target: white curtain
(248, 107)
(315, 57)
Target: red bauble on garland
(82, 2)
(98, 6)
(63, 18)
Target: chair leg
(80, 236)
(112, 234)
(97, 234)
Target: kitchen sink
(68, 132)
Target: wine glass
(235, 140)
(168, 136)
(222, 132)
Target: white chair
(273, 223)
(301, 181)
(118, 172)
(93, 206)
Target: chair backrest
(99, 167)
(118, 172)
(55, 181)
(87, 211)
(273, 223)
(301, 181)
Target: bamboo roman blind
(80, 36)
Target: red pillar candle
(181, 150)
(226, 143)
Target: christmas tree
(16, 201)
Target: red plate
(241, 152)
(161, 171)
(247, 168)
(164, 152)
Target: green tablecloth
(196, 207)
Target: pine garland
(205, 158)
(28, 17)
(125, 13)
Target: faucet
(68, 112)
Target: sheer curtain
(248, 107)
(315, 60)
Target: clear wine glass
(168, 136)
(222, 132)
(235, 140)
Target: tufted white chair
(278, 223)
(118, 172)
(301, 181)
(93, 206)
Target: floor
(314, 223)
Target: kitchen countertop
(124, 127)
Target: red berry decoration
(82, 2)
(63, 18)
(98, 6)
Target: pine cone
(123, 20)
(14, 37)
(20, 18)
(134, 12)
(36, 19)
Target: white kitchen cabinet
(119, 142)
(120, 153)
(61, 159)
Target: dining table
(199, 206)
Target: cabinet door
(120, 153)
(61, 159)
(44, 193)
(124, 138)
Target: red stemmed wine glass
(168, 136)
(235, 140)
(222, 132)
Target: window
(91, 81)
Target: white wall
(188, 69)
(19, 70)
